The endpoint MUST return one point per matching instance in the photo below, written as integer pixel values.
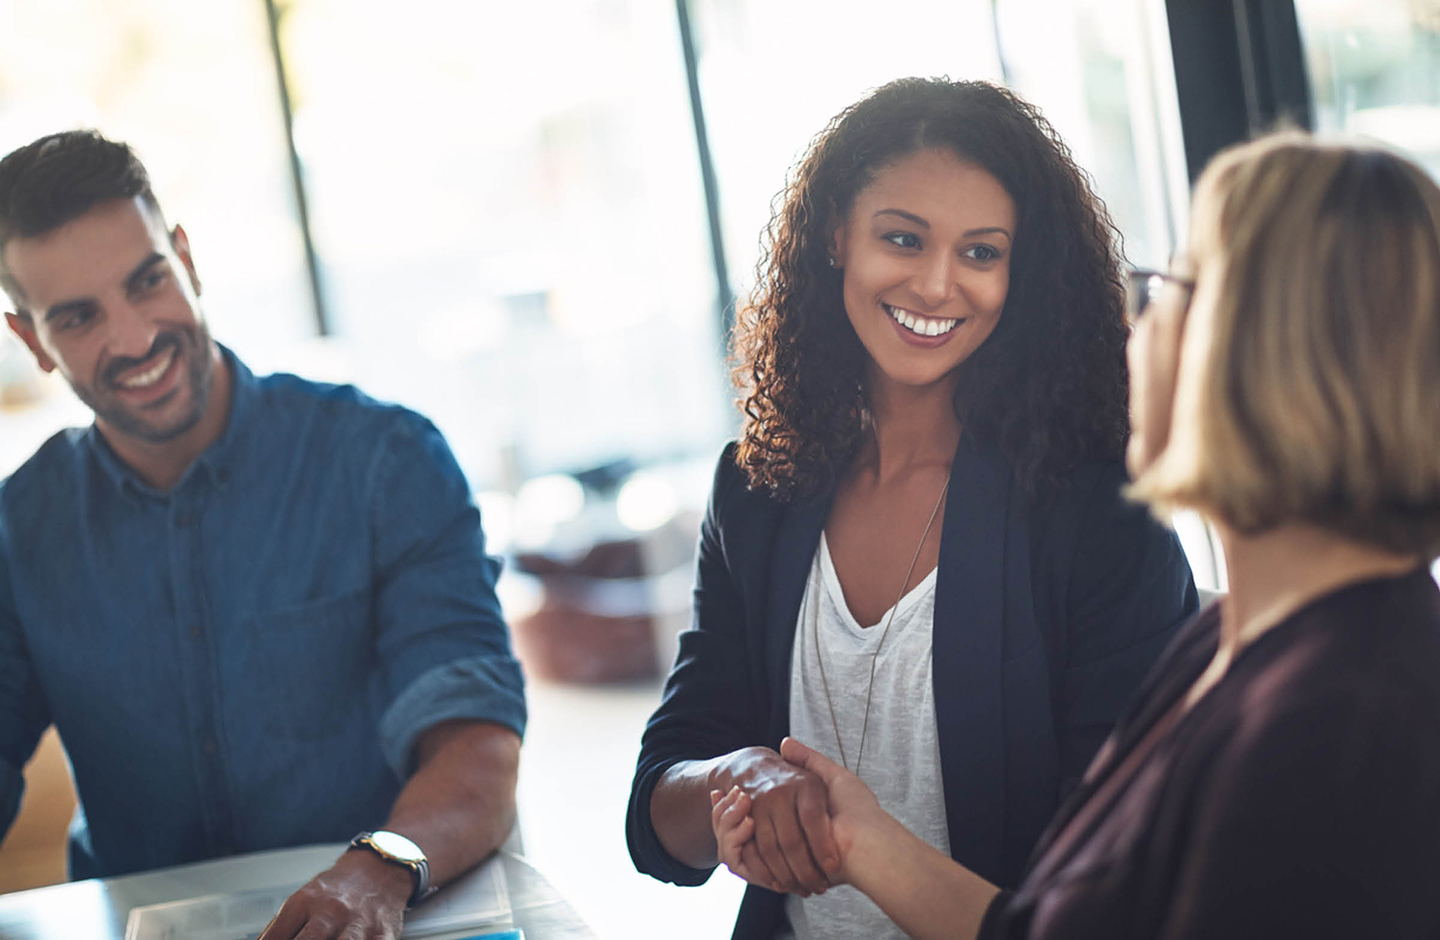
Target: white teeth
(150, 376)
(921, 325)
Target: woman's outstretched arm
(924, 891)
(707, 733)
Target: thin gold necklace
(874, 657)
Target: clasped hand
(791, 825)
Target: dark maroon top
(1300, 797)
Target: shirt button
(183, 520)
(196, 632)
(209, 746)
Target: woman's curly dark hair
(1049, 385)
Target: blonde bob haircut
(1308, 387)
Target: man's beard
(192, 349)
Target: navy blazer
(1045, 623)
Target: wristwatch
(393, 847)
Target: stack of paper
(474, 902)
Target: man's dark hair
(59, 178)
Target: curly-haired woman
(917, 557)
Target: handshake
(792, 821)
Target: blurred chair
(1206, 596)
(33, 853)
(595, 622)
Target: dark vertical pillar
(725, 299)
(1239, 71)
(297, 178)
(1277, 87)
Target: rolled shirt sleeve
(441, 638)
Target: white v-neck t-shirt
(901, 761)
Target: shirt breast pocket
(315, 663)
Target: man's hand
(458, 806)
(360, 897)
(792, 847)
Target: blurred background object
(32, 853)
(611, 549)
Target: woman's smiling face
(925, 252)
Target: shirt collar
(216, 459)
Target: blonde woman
(1278, 774)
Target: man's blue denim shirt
(246, 661)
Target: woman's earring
(832, 261)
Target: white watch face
(397, 846)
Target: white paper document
(474, 902)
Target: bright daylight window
(1375, 70)
(507, 206)
(1091, 66)
(767, 94)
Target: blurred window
(1375, 70)
(1100, 71)
(774, 72)
(507, 206)
(192, 87)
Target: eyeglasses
(1145, 288)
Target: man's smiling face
(111, 301)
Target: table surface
(97, 909)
